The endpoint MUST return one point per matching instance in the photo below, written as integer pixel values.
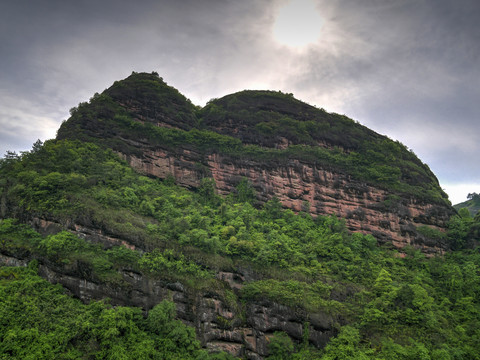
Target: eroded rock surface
(302, 186)
(242, 330)
(126, 118)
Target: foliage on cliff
(39, 321)
(472, 204)
(79, 183)
(395, 307)
(142, 109)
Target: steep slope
(309, 159)
(110, 233)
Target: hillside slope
(309, 159)
(472, 204)
(210, 237)
(252, 281)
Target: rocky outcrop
(303, 186)
(126, 118)
(161, 134)
(242, 330)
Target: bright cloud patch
(457, 193)
(297, 24)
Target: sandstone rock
(297, 183)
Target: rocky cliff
(309, 159)
(242, 329)
(303, 186)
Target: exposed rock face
(301, 186)
(241, 331)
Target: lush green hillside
(264, 117)
(39, 321)
(387, 305)
(472, 204)
(67, 206)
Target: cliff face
(388, 194)
(302, 186)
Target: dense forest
(387, 303)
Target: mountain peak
(283, 147)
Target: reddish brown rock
(301, 186)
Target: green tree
(383, 282)
(459, 228)
(280, 346)
(160, 318)
(245, 191)
(273, 208)
(345, 346)
(207, 192)
(61, 245)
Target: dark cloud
(406, 68)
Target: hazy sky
(408, 69)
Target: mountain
(309, 159)
(255, 227)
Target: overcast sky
(408, 69)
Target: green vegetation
(159, 215)
(312, 297)
(155, 214)
(39, 321)
(472, 204)
(464, 231)
(385, 306)
(383, 303)
(263, 117)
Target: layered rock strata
(302, 186)
(244, 331)
(126, 118)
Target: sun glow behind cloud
(297, 24)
